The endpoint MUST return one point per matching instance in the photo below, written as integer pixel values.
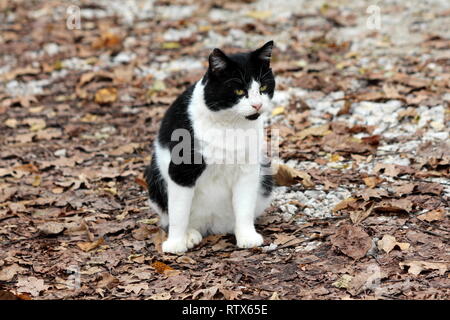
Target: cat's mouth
(253, 116)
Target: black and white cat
(195, 188)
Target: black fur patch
(157, 187)
(176, 117)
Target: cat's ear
(265, 52)
(218, 61)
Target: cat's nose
(257, 106)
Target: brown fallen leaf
(35, 124)
(136, 288)
(125, 149)
(388, 243)
(230, 294)
(88, 246)
(343, 204)
(51, 228)
(351, 240)
(161, 267)
(288, 176)
(370, 193)
(314, 131)
(107, 40)
(275, 296)
(160, 296)
(8, 272)
(186, 260)
(366, 280)
(143, 232)
(286, 239)
(359, 215)
(106, 96)
(141, 182)
(392, 170)
(6, 295)
(394, 205)
(158, 238)
(403, 189)
(343, 282)
(107, 281)
(205, 294)
(31, 285)
(372, 182)
(433, 215)
(416, 267)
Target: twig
(446, 239)
(8, 217)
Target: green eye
(263, 88)
(239, 92)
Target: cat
(192, 186)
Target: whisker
(265, 74)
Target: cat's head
(240, 85)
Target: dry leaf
(31, 285)
(136, 288)
(286, 239)
(359, 215)
(320, 131)
(277, 111)
(274, 296)
(388, 243)
(416, 267)
(106, 95)
(143, 232)
(158, 238)
(107, 281)
(88, 246)
(343, 282)
(51, 228)
(260, 15)
(287, 176)
(107, 40)
(161, 267)
(352, 241)
(344, 204)
(372, 182)
(366, 280)
(11, 123)
(433, 215)
(35, 124)
(7, 273)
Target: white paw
(249, 240)
(174, 246)
(193, 238)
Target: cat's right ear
(218, 61)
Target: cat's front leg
(179, 202)
(245, 194)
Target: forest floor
(362, 107)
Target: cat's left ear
(218, 61)
(265, 52)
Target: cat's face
(240, 85)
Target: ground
(362, 110)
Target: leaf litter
(361, 210)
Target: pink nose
(257, 106)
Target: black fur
(157, 187)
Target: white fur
(226, 197)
